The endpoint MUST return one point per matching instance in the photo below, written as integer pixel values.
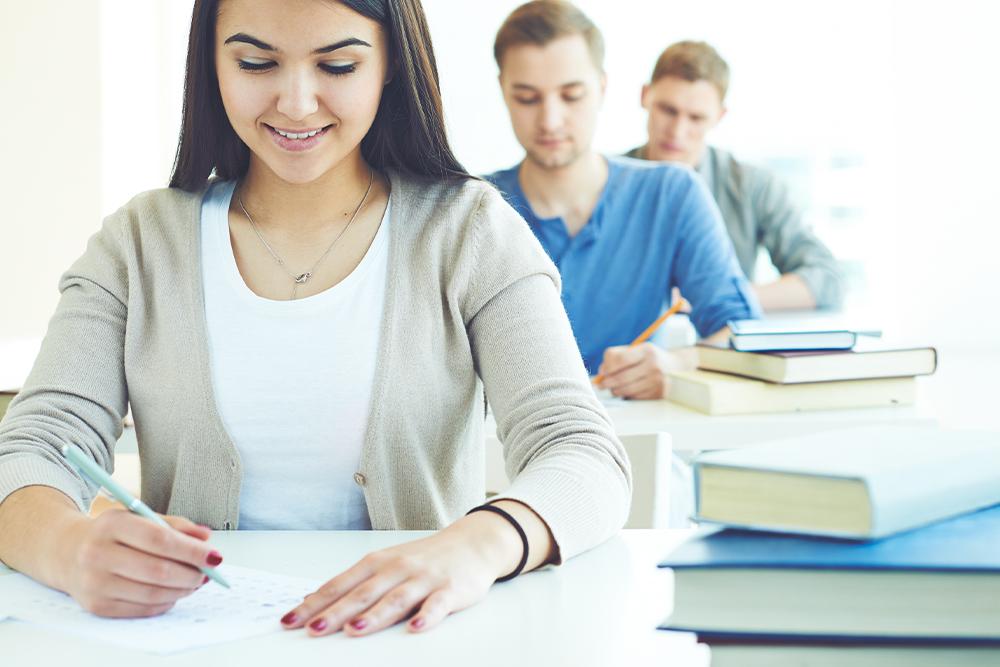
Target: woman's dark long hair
(408, 132)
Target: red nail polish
(204, 580)
(417, 623)
(214, 558)
(291, 618)
(319, 625)
(359, 624)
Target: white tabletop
(600, 608)
(958, 395)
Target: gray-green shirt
(471, 309)
(758, 211)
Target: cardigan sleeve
(560, 449)
(76, 391)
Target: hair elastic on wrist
(520, 532)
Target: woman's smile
(297, 140)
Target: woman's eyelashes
(338, 70)
(264, 65)
(252, 66)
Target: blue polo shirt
(655, 227)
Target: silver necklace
(303, 278)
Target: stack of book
(772, 368)
(869, 546)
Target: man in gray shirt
(685, 99)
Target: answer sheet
(212, 615)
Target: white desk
(692, 432)
(958, 395)
(599, 609)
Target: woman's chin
(298, 176)
(299, 170)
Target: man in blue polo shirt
(621, 231)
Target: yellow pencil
(651, 329)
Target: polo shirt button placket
(360, 479)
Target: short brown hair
(693, 61)
(543, 21)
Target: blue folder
(968, 543)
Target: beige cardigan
(472, 303)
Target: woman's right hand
(122, 565)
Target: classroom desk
(956, 396)
(692, 432)
(600, 608)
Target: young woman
(304, 324)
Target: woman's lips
(296, 145)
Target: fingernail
(291, 618)
(204, 580)
(319, 625)
(214, 558)
(417, 623)
(359, 624)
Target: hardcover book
(863, 482)
(939, 584)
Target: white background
(882, 116)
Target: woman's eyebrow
(350, 41)
(253, 41)
(247, 39)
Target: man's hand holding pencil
(639, 370)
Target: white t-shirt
(292, 381)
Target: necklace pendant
(303, 277)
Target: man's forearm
(789, 292)
(720, 337)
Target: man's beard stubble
(556, 161)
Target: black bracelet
(517, 527)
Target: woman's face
(300, 80)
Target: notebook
(781, 334)
(724, 394)
(870, 358)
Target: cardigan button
(360, 479)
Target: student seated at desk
(685, 100)
(304, 323)
(622, 232)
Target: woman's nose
(297, 99)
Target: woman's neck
(303, 209)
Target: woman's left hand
(428, 578)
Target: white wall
(882, 115)
(142, 62)
(49, 155)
